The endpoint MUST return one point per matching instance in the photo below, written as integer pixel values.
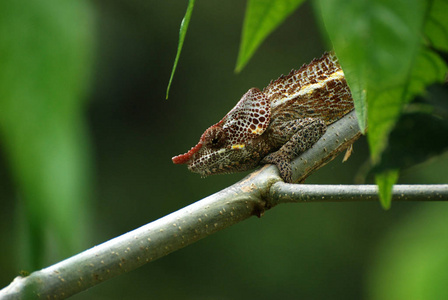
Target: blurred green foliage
(311, 251)
(45, 63)
(411, 262)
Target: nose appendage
(184, 158)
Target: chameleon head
(228, 145)
(214, 154)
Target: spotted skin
(275, 125)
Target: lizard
(275, 125)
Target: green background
(311, 251)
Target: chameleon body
(275, 125)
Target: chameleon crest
(274, 125)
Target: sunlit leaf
(262, 17)
(182, 33)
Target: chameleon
(275, 125)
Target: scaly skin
(274, 125)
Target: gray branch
(251, 196)
(281, 192)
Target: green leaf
(377, 43)
(182, 33)
(359, 94)
(436, 26)
(44, 73)
(385, 182)
(379, 46)
(427, 68)
(262, 17)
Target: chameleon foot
(283, 166)
(307, 132)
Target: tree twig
(281, 192)
(253, 195)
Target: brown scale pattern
(329, 102)
(316, 70)
(249, 118)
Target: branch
(281, 192)
(253, 195)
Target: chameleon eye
(215, 137)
